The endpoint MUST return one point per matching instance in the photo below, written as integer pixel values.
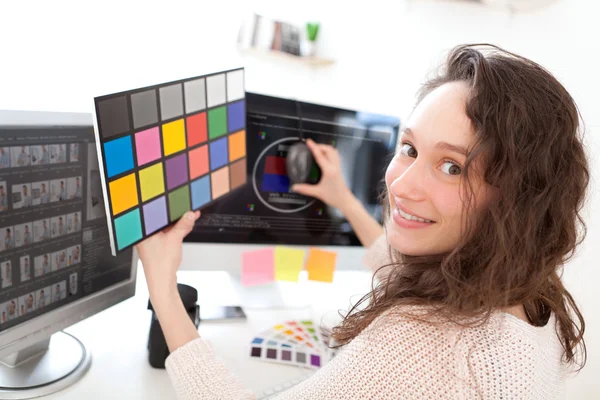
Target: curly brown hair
(527, 132)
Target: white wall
(61, 56)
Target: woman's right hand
(331, 189)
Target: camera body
(158, 351)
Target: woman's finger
(318, 153)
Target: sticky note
(258, 267)
(320, 265)
(288, 263)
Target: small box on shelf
(260, 36)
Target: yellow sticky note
(320, 265)
(288, 263)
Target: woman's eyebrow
(441, 145)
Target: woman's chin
(408, 246)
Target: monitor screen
(54, 247)
(264, 210)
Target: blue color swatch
(118, 156)
(218, 154)
(236, 116)
(128, 228)
(275, 183)
(200, 192)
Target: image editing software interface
(54, 247)
(265, 210)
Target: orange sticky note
(288, 263)
(257, 267)
(320, 265)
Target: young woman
(484, 198)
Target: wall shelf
(279, 55)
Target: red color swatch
(196, 129)
(275, 165)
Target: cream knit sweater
(398, 357)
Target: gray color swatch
(301, 357)
(235, 85)
(195, 95)
(114, 116)
(171, 101)
(215, 87)
(143, 107)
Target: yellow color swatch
(151, 181)
(237, 145)
(123, 193)
(173, 135)
(288, 263)
(320, 265)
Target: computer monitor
(55, 259)
(265, 212)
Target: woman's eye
(408, 150)
(450, 168)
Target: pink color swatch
(147, 146)
(258, 267)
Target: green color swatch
(179, 202)
(217, 122)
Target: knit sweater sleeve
(196, 373)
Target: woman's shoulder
(499, 329)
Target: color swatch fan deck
(169, 148)
(297, 343)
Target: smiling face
(425, 177)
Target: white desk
(117, 337)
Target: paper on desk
(258, 267)
(288, 263)
(320, 265)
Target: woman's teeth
(412, 217)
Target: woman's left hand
(161, 255)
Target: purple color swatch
(315, 360)
(155, 215)
(177, 171)
(286, 355)
(272, 353)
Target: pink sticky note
(258, 267)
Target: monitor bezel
(42, 327)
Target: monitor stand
(44, 368)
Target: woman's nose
(411, 183)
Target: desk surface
(117, 337)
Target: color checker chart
(169, 148)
